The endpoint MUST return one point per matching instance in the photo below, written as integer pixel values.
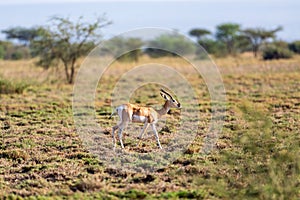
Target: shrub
(276, 52)
(130, 56)
(170, 45)
(10, 51)
(2, 52)
(281, 44)
(295, 46)
(117, 47)
(9, 87)
(184, 194)
(17, 55)
(157, 53)
(214, 47)
(131, 194)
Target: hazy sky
(180, 15)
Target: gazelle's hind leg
(120, 137)
(156, 135)
(145, 127)
(119, 111)
(125, 118)
(120, 133)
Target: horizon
(177, 15)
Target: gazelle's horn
(166, 93)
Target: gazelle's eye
(173, 100)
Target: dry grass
(256, 156)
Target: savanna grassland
(255, 157)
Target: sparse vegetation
(256, 155)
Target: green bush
(131, 194)
(295, 46)
(10, 51)
(184, 194)
(214, 47)
(130, 56)
(281, 44)
(9, 87)
(157, 53)
(2, 52)
(276, 52)
(118, 45)
(170, 45)
(17, 55)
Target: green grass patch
(10, 87)
(130, 194)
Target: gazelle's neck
(164, 110)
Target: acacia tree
(24, 35)
(66, 41)
(228, 33)
(258, 36)
(199, 33)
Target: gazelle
(147, 115)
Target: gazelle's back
(135, 113)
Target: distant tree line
(64, 41)
(231, 39)
(171, 45)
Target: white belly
(137, 118)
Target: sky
(179, 15)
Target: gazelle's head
(170, 101)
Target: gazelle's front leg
(113, 135)
(156, 135)
(145, 127)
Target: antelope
(147, 115)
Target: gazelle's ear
(166, 97)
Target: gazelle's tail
(112, 114)
(118, 110)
